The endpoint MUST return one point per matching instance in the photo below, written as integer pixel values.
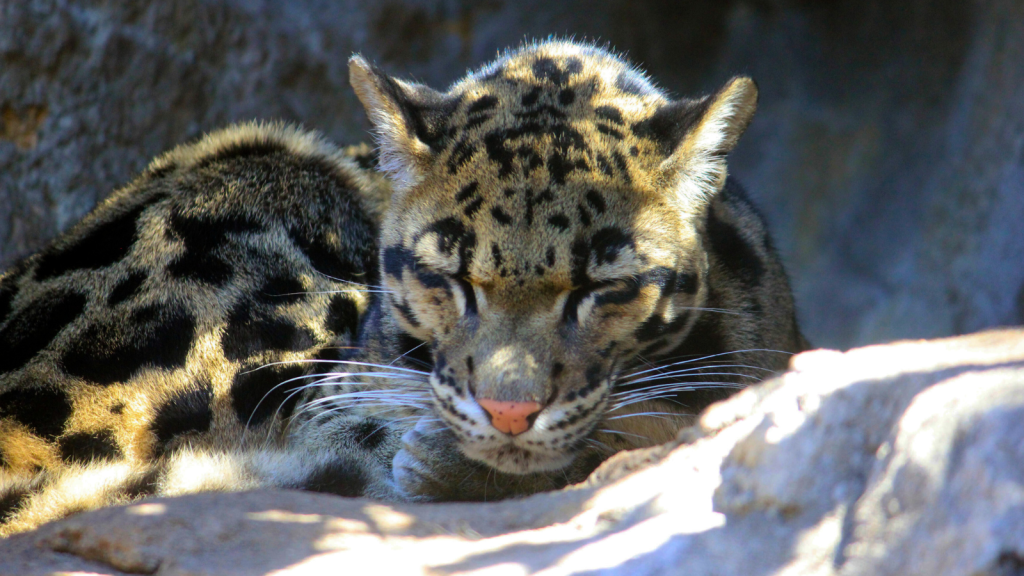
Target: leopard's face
(540, 239)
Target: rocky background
(888, 153)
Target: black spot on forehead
(559, 221)
(547, 69)
(258, 393)
(609, 132)
(451, 232)
(585, 218)
(531, 97)
(609, 113)
(501, 216)
(102, 246)
(461, 154)
(596, 201)
(33, 327)
(342, 316)
(279, 290)
(114, 350)
(483, 103)
(496, 255)
(550, 256)
(467, 191)
(630, 84)
(580, 253)
(127, 288)
(85, 447)
(186, 411)
(473, 207)
(252, 330)
(566, 96)
(608, 242)
(43, 411)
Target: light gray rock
(888, 152)
(895, 459)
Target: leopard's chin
(514, 459)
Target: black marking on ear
(243, 149)
(102, 246)
(608, 242)
(461, 153)
(161, 338)
(538, 269)
(344, 477)
(126, 288)
(585, 218)
(496, 254)
(428, 117)
(669, 124)
(342, 316)
(559, 221)
(482, 104)
(85, 447)
(370, 433)
(531, 97)
(251, 330)
(608, 131)
(186, 411)
(629, 84)
(473, 207)
(609, 113)
(566, 96)
(734, 252)
(44, 411)
(32, 328)
(398, 258)
(605, 167)
(258, 393)
(634, 151)
(501, 216)
(550, 256)
(280, 290)
(467, 192)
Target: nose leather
(509, 417)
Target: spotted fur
(262, 309)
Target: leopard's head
(546, 228)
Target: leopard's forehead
(543, 154)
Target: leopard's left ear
(410, 119)
(696, 135)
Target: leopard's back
(175, 317)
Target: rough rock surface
(899, 459)
(888, 152)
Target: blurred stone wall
(888, 153)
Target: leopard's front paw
(430, 466)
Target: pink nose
(509, 417)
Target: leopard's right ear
(410, 120)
